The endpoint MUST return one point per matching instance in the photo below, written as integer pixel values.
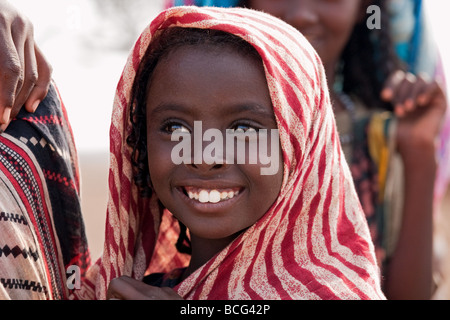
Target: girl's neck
(204, 249)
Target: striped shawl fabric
(313, 243)
(42, 231)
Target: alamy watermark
(374, 21)
(73, 281)
(244, 147)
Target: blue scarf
(212, 3)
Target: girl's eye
(244, 128)
(173, 126)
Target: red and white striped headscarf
(313, 243)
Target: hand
(24, 72)
(420, 105)
(126, 288)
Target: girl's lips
(209, 200)
(214, 195)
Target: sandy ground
(94, 172)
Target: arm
(420, 107)
(24, 73)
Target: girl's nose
(213, 161)
(207, 167)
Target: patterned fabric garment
(313, 243)
(41, 227)
(375, 171)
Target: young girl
(299, 233)
(392, 158)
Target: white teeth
(213, 196)
(203, 196)
(193, 195)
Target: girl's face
(224, 90)
(327, 24)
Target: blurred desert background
(87, 42)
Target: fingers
(387, 94)
(30, 78)
(120, 288)
(25, 74)
(42, 81)
(11, 76)
(126, 288)
(430, 91)
(406, 92)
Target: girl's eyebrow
(253, 108)
(163, 107)
(233, 109)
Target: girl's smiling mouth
(216, 195)
(210, 198)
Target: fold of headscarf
(313, 243)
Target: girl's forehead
(217, 50)
(209, 67)
(208, 82)
(181, 38)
